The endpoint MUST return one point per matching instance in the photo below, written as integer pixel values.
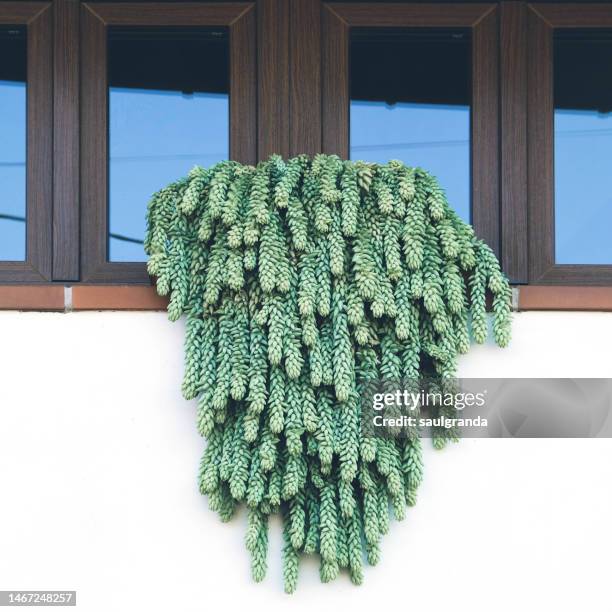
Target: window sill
(549, 297)
(140, 297)
(32, 297)
(80, 297)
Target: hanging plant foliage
(302, 281)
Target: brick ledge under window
(548, 297)
(80, 297)
(57, 297)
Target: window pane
(583, 146)
(410, 100)
(168, 111)
(13, 60)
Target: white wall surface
(98, 493)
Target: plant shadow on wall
(303, 281)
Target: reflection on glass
(13, 143)
(410, 100)
(168, 111)
(583, 146)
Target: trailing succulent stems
(303, 281)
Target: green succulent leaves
(303, 281)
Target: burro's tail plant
(302, 281)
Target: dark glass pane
(410, 100)
(168, 111)
(583, 146)
(13, 61)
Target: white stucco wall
(98, 462)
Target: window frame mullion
(37, 17)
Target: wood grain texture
(335, 83)
(243, 87)
(574, 15)
(576, 274)
(66, 141)
(540, 147)
(169, 13)
(513, 155)
(273, 77)
(13, 13)
(20, 272)
(40, 146)
(94, 147)
(485, 130)
(39, 138)
(412, 14)
(305, 77)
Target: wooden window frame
(482, 20)
(38, 19)
(543, 19)
(293, 102)
(513, 141)
(239, 17)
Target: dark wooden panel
(118, 273)
(575, 15)
(485, 130)
(13, 13)
(513, 176)
(40, 144)
(66, 142)
(39, 19)
(94, 146)
(243, 88)
(335, 83)
(417, 14)
(19, 272)
(540, 144)
(170, 13)
(577, 274)
(273, 77)
(305, 37)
